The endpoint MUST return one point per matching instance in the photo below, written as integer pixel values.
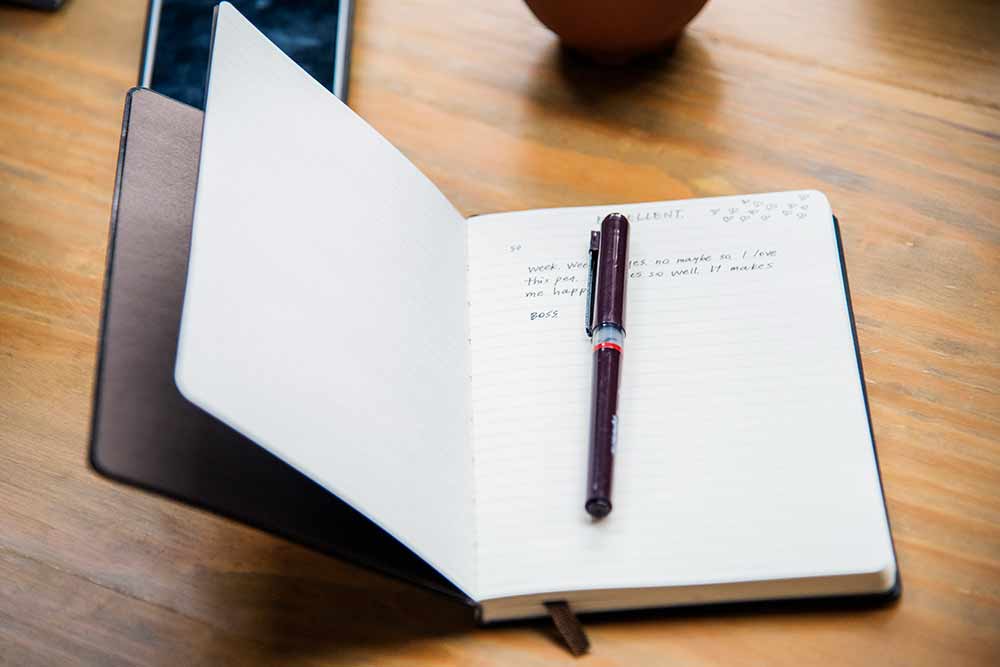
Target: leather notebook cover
(144, 432)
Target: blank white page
(744, 451)
(325, 311)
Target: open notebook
(433, 371)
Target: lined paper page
(744, 451)
(322, 262)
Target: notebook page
(744, 451)
(325, 313)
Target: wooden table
(891, 107)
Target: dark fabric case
(143, 431)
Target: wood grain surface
(890, 107)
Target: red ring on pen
(610, 346)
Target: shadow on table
(308, 606)
(295, 605)
(638, 132)
(618, 92)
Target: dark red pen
(606, 327)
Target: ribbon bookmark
(569, 627)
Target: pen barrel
(604, 419)
(612, 272)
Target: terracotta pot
(616, 30)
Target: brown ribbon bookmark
(569, 627)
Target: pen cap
(612, 272)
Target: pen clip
(595, 248)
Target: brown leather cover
(144, 432)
